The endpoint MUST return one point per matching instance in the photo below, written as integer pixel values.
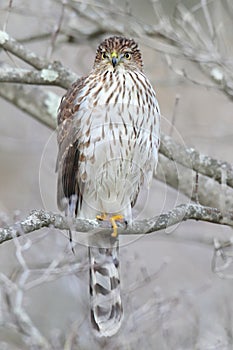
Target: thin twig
(56, 31)
(8, 14)
(196, 187)
(174, 115)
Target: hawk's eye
(127, 55)
(104, 55)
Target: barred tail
(106, 306)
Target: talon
(113, 220)
(101, 217)
(114, 226)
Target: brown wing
(68, 153)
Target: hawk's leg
(71, 241)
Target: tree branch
(191, 158)
(50, 73)
(20, 51)
(26, 76)
(181, 178)
(35, 101)
(40, 218)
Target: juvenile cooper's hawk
(108, 141)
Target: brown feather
(68, 154)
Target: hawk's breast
(117, 126)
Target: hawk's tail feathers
(106, 306)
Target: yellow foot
(101, 217)
(113, 220)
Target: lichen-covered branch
(40, 218)
(10, 44)
(210, 193)
(47, 73)
(26, 76)
(191, 158)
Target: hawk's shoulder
(66, 108)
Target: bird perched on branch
(108, 137)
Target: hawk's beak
(115, 59)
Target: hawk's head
(118, 52)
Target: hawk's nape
(108, 139)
